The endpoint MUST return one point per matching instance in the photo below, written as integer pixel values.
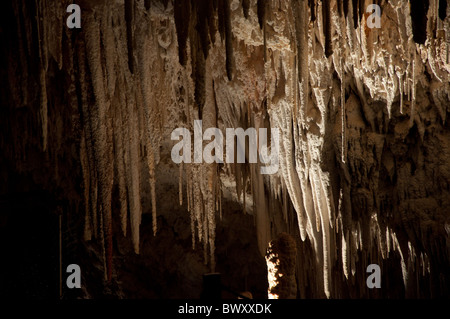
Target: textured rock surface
(365, 143)
(281, 258)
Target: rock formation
(364, 153)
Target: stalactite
(147, 4)
(197, 212)
(400, 88)
(180, 184)
(293, 86)
(345, 7)
(301, 26)
(391, 90)
(343, 123)
(312, 7)
(43, 57)
(442, 9)
(419, 10)
(102, 144)
(190, 207)
(88, 129)
(86, 183)
(182, 17)
(209, 170)
(355, 13)
(260, 213)
(228, 40)
(413, 89)
(121, 169)
(327, 28)
(153, 193)
(261, 11)
(129, 18)
(43, 111)
(133, 169)
(150, 107)
(188, 190)
(245, 7)
(220, 201)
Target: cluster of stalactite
(356, 107)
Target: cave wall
(364, 174)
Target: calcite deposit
(364, 150)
